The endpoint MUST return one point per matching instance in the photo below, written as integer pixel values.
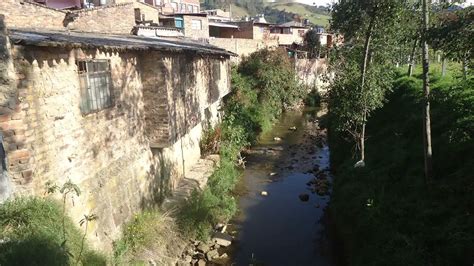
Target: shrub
(32, 232)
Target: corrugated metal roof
(51, 38)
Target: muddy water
(279, 228)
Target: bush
(32, 232)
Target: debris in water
(273, 174)
(264, 193)
(277, 139)
(292, 128)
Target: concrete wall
(242, 47)
(21, 14)
(107, 153)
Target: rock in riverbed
(202, 247)
(304, 197)
(222, 239)
(212, 254)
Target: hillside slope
(315, 15)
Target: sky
(325, 2)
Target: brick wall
(8, 105)
(150, 12)
(107, 153)
(189, 32)
(21, 14)
(118, 19)
(242, 47)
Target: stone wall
(311, 72)
(22, 14)
(242, 47)
(119, 19)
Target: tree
(453, 32)
(313, 43)
(428, 153)
(370, 30)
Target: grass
(150, 235)
(304, 12)
(32, 231)
(239, 12)
(408, 222)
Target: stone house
(121, 116)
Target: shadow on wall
(160, 184)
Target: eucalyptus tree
(371, 30)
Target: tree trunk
(368, 38)
(443, 66)
(426, 89)
(464, 66)
(412, 57)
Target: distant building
(288, 33)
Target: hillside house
(288, 33)
(119, 115)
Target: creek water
(280, 228)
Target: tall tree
(428, 153)
(370, 28)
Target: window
(95, 84)
(183, 8)
(190, 8)
(196, 24)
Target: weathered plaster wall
(21, 14)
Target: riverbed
(274, 225)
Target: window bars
(96, 85)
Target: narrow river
(275, 226)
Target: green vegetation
(316, 16)
(277, 12)
(385, 213)
(264, 84)
(31, 230)
(148, 236)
